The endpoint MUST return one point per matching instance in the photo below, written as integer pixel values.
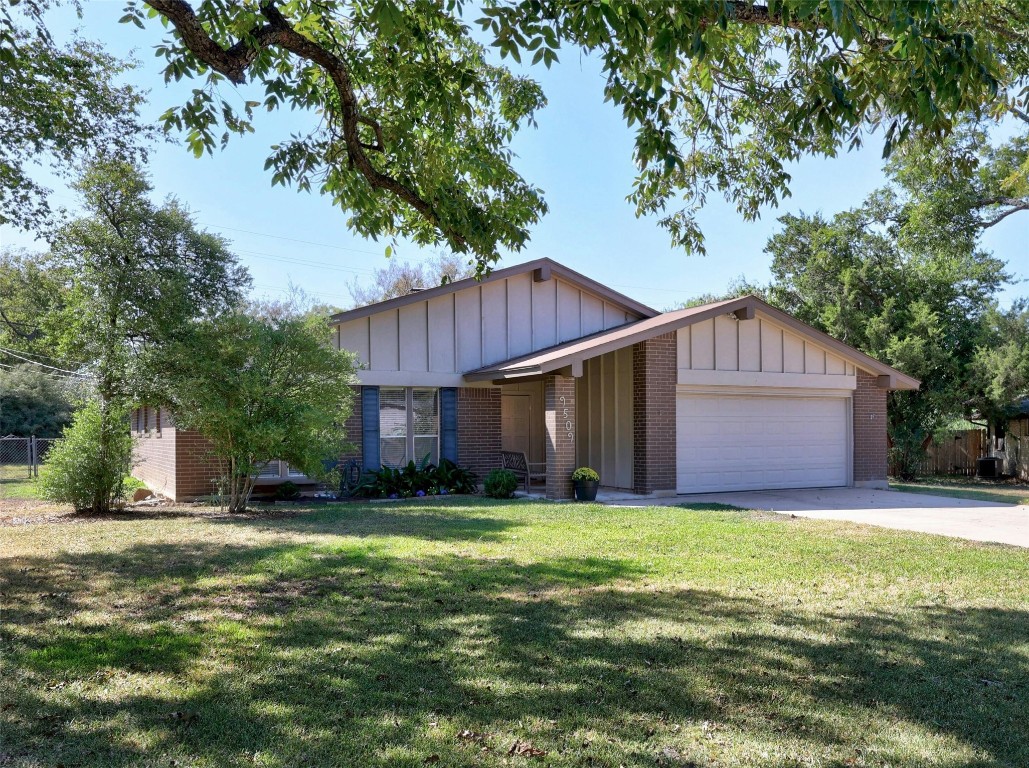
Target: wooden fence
(955, 455)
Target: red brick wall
(870, 445)
(153, 455)
(560, 444)
(478, 429)
(196, 468)
(653, 409)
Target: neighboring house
(541, 359)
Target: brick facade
(173, 462)
(653, 408)
(559, 426)
(478, 429)
(870, 444)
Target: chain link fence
(21, 457)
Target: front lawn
(474, 633)
(1005, 492)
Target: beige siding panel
(702, 346)
(814, 359)
(614, 317)
(519, 315)
(771, 348)
(494, 322)
(414, 337)
(442, 356)
(592, 314)
(354, 336)
(750, 345)
(726, 347)
(569, 324)
(468, 319)
(835, 365)
(792, 353)
(383, 355)
(544, 314)
(604, 412)
(682, 347)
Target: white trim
(694, 389)
(410, 379)
(686, 376)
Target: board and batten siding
(725, 351)
(604, 417)
(433, 342)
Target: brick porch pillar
(559, 423)
(653, 410)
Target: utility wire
(42, 365)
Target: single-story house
(539, 359)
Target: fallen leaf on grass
(466, 735)
(525, 749)
(431, 759)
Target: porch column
(559, 423)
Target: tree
(400, 278)
(999, 371)
(58, 104)
(258, 390)
(140, 275)
(414, 123)
(33, 292)
(34, 402)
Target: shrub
(287, 491)
(422, 479)
(500, 483)
(87, 468)
(585, 474)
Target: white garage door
(749, 442)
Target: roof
(547, 268)
(573, 353)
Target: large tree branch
(1015, 204)
(234, 62)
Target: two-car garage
(737, 442)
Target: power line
(42, 365)
(55, 376)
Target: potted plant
(586, 482)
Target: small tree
(261, 389)
(87, 468)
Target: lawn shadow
(342, 655)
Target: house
(540, 359)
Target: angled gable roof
(573, 353)
(543, 269)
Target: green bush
(585, 474)
(500, 483)
(287, 491)
(87, 468)
(422, 479)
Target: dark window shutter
(448, 423)
(370, 427)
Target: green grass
(15, 482)
(444, 633)
(968, 488)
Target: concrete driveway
(961, 518)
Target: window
(408, 425)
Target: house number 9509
(569, 424)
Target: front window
(408, 425)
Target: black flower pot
(586, 490)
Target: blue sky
(580, 155)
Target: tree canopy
(412, 122)
(34, 402)
(59, 104)
(399, 278)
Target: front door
(516, 423)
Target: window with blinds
(408, 425)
